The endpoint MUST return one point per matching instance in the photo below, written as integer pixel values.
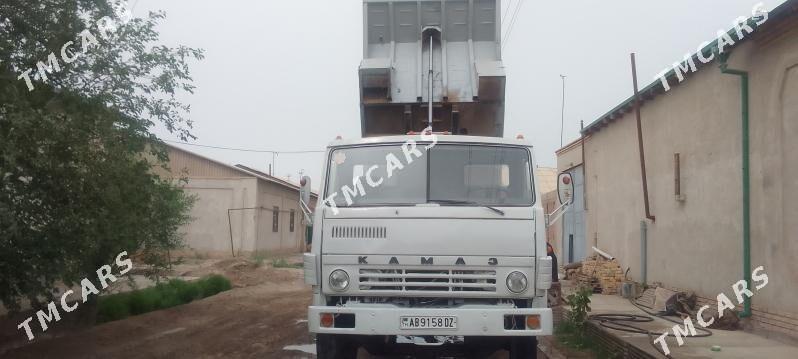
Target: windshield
(444, 174)
(367, 168)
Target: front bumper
(472, 320)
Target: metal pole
(643, 251)
(746, 196)
(230, 227)
(562, 111)
(584, 164)
(677, 174)
(746, 181)
(640, 141)
(429, 79)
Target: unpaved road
(263, 314)
(256, 320)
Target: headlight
(516, 282)
(339, 280)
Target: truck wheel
(332, 346)
(524, 348)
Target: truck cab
(429, 240)
(431, 232)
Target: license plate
(428, 322)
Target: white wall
(209, 231)
(696, 243)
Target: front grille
(427, 280)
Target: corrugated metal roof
(783, 11)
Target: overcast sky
(282, 75)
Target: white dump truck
(431, 232)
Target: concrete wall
(553, 232)
(547, 187)
(250, 199)
(569, 156)
(696, 243)
(209, 230)
(284, 240)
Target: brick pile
(604, 276)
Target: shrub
(142, 301)
(282, 263)
(113, 307)
(213, 284)
(185, 292)
(163, 295)
(259, 258)
(571, 330)
(580, 305)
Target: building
(238, 210)
(572, 226)
(693, 140)
(546, 178)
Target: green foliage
(164, 295)
(259, 258)
(570, 337)
(213, 284)
(114, 307)
(282, 263)
(78, 158)
(186, 292)
(142, 301)
(572, 331)
(579, 303)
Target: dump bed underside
(466, 70)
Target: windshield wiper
(455, 201)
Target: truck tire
(524, 348)
(332, 346)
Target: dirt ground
(264, 312)
(263, 316)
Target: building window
(275, 219)
(291, 223)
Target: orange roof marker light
(519, 137)
(338, 138)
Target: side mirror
(304, 190)
(304, 199)
(565, 188)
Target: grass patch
(569, 336)
(164, 295)
(282, 263)
(259, 258)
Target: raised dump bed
(447, 53)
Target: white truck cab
(430, 240)
(425, 239)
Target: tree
(76, 145)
